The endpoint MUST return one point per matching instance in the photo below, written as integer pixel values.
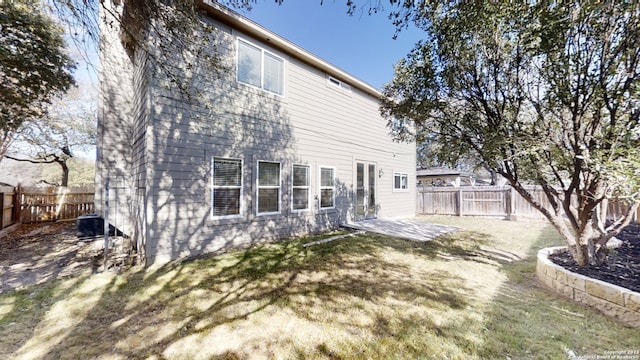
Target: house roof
(237, 21)
(442, 171)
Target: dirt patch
(33, 254)
(623, 266)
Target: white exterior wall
(314, 123)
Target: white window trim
(258, 187)
(335, 83)
(262, 52)
(401, 174)
(308, 187)
(213, 187)
(320, 187)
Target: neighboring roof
(237, 21)
(442, 171)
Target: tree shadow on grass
(15, 329)
(142, 314)
(527, 321)
(463, 245)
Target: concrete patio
(402, 228)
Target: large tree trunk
(580, 254)
(64, 181)
(587, 235)
(587, 251)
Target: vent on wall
(331, 81)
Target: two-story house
(282, 143)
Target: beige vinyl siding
(314, 124)
(138, 193)
(121, 132)
(338, 126)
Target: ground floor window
(226, 187)
(268, 187)
(327, 187)
(400, 181)
(300, 187)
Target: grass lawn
(468, 295)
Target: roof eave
(237, 21)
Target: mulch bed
(35, 253)
(26, 234)
(623, 266)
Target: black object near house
(89, 225)
(92, 225)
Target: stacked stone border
(615, 301)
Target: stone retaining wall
(615, 301)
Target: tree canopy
(542, 94)
(34, 66)
(56, 138)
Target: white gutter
(237, 21)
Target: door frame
(370, 210)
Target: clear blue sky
(361, 45)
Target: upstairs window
(226, 187)
(331, 81)
(260, 68)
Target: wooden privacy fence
(8, 210)
(491, 201)
(478, 201)
(34, 205)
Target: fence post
(424, 201)
(17, 204)
(512, 204)
(106, 222)
(508, 209)
(459, 201)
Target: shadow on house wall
(161, 140)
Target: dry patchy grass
(466, 295)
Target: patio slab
(402, 228)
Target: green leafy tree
(171, 35)
(68, 127)
(539, 93)
(33, 66)
(81, 173)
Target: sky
(361, 44)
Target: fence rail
(35, 205)
(490, 201)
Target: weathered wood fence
(34, 205)
(490, 201)
(7, 208)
